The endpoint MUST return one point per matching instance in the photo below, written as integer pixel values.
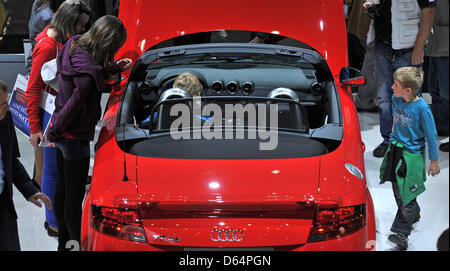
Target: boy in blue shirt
(404, 161)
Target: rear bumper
(354, 242)
(364, 239)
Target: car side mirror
(351, 77)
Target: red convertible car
(269, 157)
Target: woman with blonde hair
(69, 20)
(83, 65)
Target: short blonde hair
(189, 82)
(410, 77)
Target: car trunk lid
(228, 203)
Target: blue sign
(18, 106)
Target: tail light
(337, 222)
(121, 223)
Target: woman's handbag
(49, 72)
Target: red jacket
(45, 50)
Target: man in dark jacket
(12, 172)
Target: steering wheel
(168, 83)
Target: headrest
(173, 93)
(286, 93)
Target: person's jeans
(438, 88)
(406, 215)
(367, 94)
(73, 149)
(73, 166)
(386, 62)
(49, 181)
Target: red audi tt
(268, 157)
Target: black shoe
(36, 184)
(443, 147)
(380, 150)
(400, 240)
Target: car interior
(246, 77)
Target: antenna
(125, 177)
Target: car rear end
(140, 200)
(265, 208)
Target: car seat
(164, 120)
(288, 113)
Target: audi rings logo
(227, 235)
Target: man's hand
(417, 55)
(426, 23)
(36, 138)
(434, 168)
(46, 200)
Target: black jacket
(15, 173)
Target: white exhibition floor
(434, 202)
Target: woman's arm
(429, 129)
(41, 54)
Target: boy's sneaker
(400, 240)
(380, 150)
